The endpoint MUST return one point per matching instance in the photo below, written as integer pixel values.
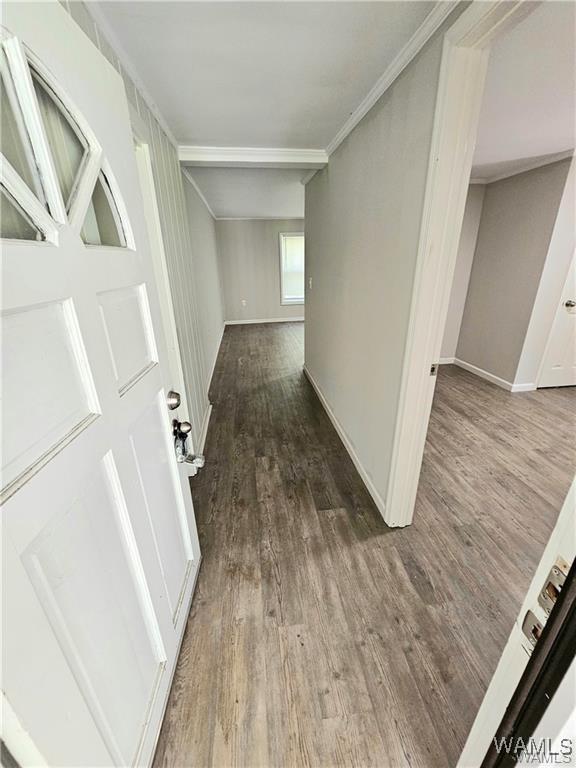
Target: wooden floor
(320, 637)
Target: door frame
(515, 659)
(549, 339)
(542, 677)
(466, 48)
(142, 148)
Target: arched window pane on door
(14, 223)
(102, 225)
(14, 143)
(67, 144)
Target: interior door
(100, 549)
(559, 364)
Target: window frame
(298, 301)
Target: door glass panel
(102, 225)
(14, 223)
(14, 143)
(65, 138)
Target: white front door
(100, 549)
(559, 365)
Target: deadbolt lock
(553, 585)
(172, 400)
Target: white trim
(424, 32)
(33, 209)
(251, 157)
(559, 308)
(529, 164)
(260, 218)
(160, 266)
(192, 181)
(87, 175)
(125, 62)
(246, 157)
(492, 378)
(460, 90)
(19, 60)
(524, 388)
(213, 366)
(266, 320)
(370, 487)
(17, 739)
(186, 613)
(204, 430)
(515, 655)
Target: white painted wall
(363, 216)
(516, 226)
(466, 248)
(205, 276)
(249, 258)
(562, 244)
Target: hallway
(318, 636)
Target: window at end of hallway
(292, 268)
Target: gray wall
(205, 276)
(363, 214)
(466, 248)
(517, 220)
(249, 254)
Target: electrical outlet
(243, 302)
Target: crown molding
(199, 192)
(251, 157)
(424, 32)
(260, 218)
(315, 159)
(528, 165)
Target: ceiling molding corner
(435, 18)
(251, 157)
(193, 183)
(528, 164)
(309, 176)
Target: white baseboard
(508, 385)
(215, 358)
(204, 430)
(524, 388)
(446, 360)
(378, 500)
(266, 320)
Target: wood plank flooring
(320, 637)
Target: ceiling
(260, 74)
(251, 193)
(289, 74)
(529, 104)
